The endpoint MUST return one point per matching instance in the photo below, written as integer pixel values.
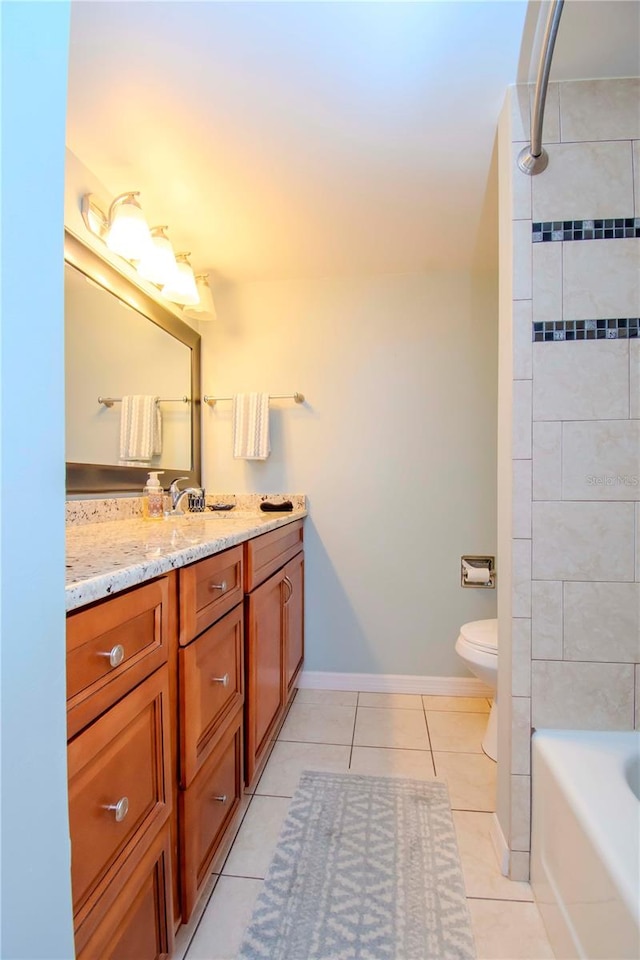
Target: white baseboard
(500, 847)
(394, 683)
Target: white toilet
(477, 645)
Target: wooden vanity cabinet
(211, 686)
(170, 686)
(121, 773)
(274, 639)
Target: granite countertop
(104, 558)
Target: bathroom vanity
(184, 641)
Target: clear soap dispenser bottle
(153, 502)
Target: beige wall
(575, 597)
(395, 448)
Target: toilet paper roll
(476, 574)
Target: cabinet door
(264, 657)
(207, 807)
(211, 688)
(112, 646)
(293, 619)
(208, 590)
(119, 795)
(136, 925)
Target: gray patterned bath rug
(366, 868)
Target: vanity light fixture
(159, 262)
(123, 229)
(181, 287)
(206, 308)
(129, 234)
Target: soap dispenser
(153, 502)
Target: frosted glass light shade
(159, 262)
(129, 234)
(206, 309)
(181, 287)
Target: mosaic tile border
(623, 328)
(612, 228)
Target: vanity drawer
(211, 688)
(208, 589)
(119, 786)
(266, 554)
(206, 809)
(134, 916)
(113, 645)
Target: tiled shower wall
(575, 599)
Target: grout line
(223, 865)
(275, 796)
(424, 711)
(388, 706)
(504, 899)
(377, 746)
(353, 732)
(318, 743)
(241, 876)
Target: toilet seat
(481, 634)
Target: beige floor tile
(401, 701)
(385, 762)
(471, 779)
(506, 930)
(257, 838)
(458, 732)
(382, 727)
(457, 704)
(482, 877)
(288, 760)
(224, 921)
(340, 698)
(185, 934)
(319, 723)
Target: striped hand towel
(251, 426)
(140, 430)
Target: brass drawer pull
(290, 585)
(222, 799)
(218, 586)
(223, 680)
(121, 809)
(115, 655)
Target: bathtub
(585, 841)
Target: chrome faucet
(177, 496)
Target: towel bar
(109, 401)
(298, 397)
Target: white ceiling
(284, 140)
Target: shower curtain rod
(534, 158)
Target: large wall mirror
(120, 343)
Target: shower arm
(534, 158)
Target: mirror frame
(107, 478)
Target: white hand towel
(251, 426)
(140, 430)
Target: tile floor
(379, 734)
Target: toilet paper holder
(478, 572)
